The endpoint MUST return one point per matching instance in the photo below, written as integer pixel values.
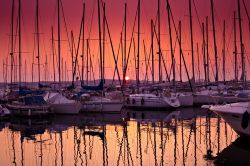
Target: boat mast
(180, 50)
(100, 42)
(171, 43)
(125, 42)
(38, 43)
(87, 63)
(25, 71)
(191, 36)
(19, 41)
(215, 47)
(235, 50)
(46, 69)
(5, 72)
(62, 69)
(83, 35)
(224, 51)
(65, 72)
(138, 40)
(207, 35)
(72, 57)
(198, 58)
(12, 41)
(104, 38)
(243, 78)
(204, 52)
(59, 44)
(159, 41)
(53, 53)
(152, 48)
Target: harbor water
(187, 136)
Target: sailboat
(59, 103)
(27, 104)
(99, 103)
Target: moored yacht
(62, 105)
(151, 101)
(29, 106)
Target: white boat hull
(236, 115)
(150, 102)
(61, 105)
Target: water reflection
(182, 137)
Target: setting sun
(127, 78)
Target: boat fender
(142, 101)
(245, 120)
(128, 101)
(133, 101)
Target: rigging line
(111, 44)
(117, 58)
(228, 45)
(172, 63)
(196, 11)
(92, 18)
(244, 4)
(76, 51)
(146, 17)
(146, 64)
(163, 60)
(182, 55)
(119, 47)
(147, 61)
(65, 24)
(130, 44)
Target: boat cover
(34, 100)
(95, 88)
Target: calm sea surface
(183, 137)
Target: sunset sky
(115, 13)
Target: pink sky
(115, 12)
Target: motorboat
(29, 106)
(151, 101)
(237, 115)
(62, 105)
